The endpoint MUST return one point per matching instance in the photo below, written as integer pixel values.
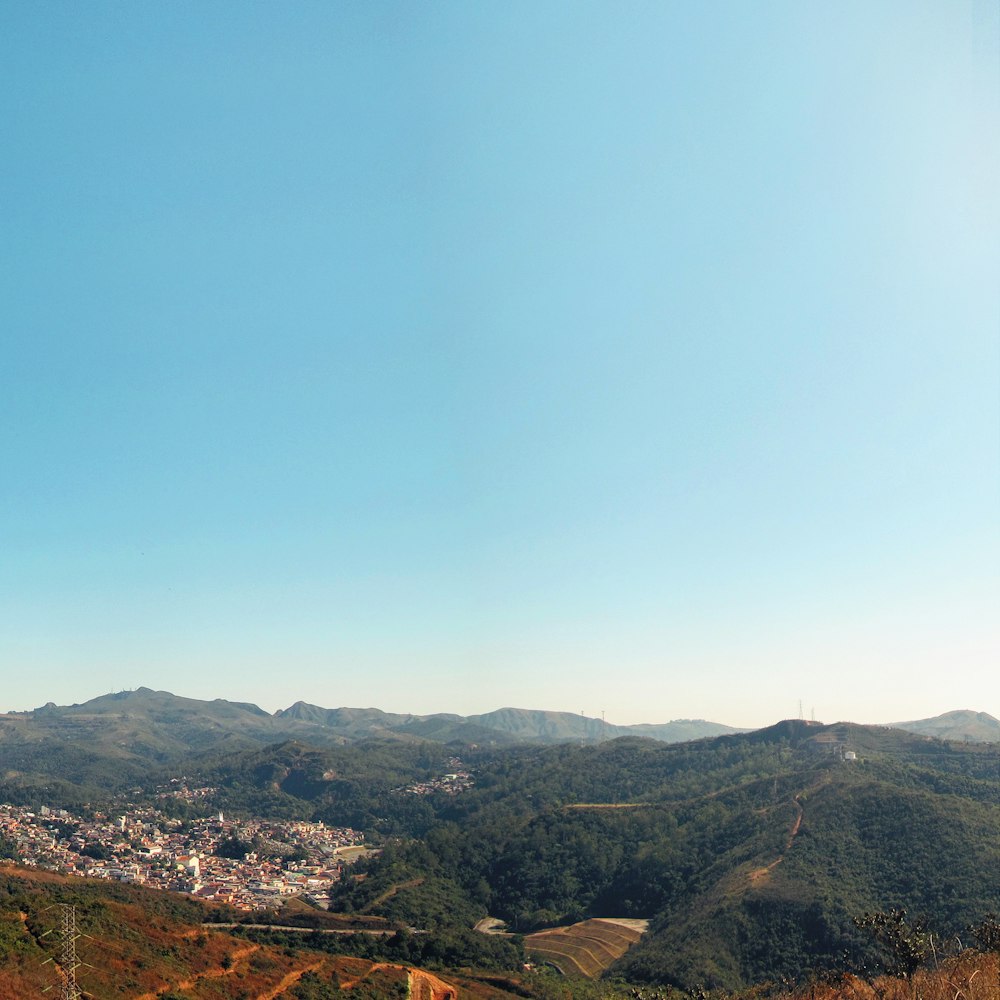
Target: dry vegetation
(420, 985)
(970, 976)
(583, 949)
(135, 954)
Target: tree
(909, 945)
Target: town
(247, 864)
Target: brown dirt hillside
(145, 945)
(584, 949)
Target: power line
(68, 962)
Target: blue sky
(634, 358)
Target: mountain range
(144, 725)
(114, 739)
(748, 855)
(505, 725)
(159, 726)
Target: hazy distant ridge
(975, 727)
(129, 730)
(505, 725)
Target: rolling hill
(140, 944)
(124, 733)
(113, 741)
(964, 725)
(117, 737)
(749, 854)
(503, 726)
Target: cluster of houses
(178, 788)
(145, 847)
(459, 780)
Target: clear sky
(628, 357)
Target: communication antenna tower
(68, 962)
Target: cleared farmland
(586, 948)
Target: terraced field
(587, 948)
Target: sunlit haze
(640, 359)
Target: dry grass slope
(136, 954)
(970, 976)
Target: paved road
(308, 930)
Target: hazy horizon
(440, 357)
(274, 708)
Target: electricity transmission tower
(68, 962)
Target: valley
(717, 863)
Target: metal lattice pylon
(68, 962)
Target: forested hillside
(752, 856)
